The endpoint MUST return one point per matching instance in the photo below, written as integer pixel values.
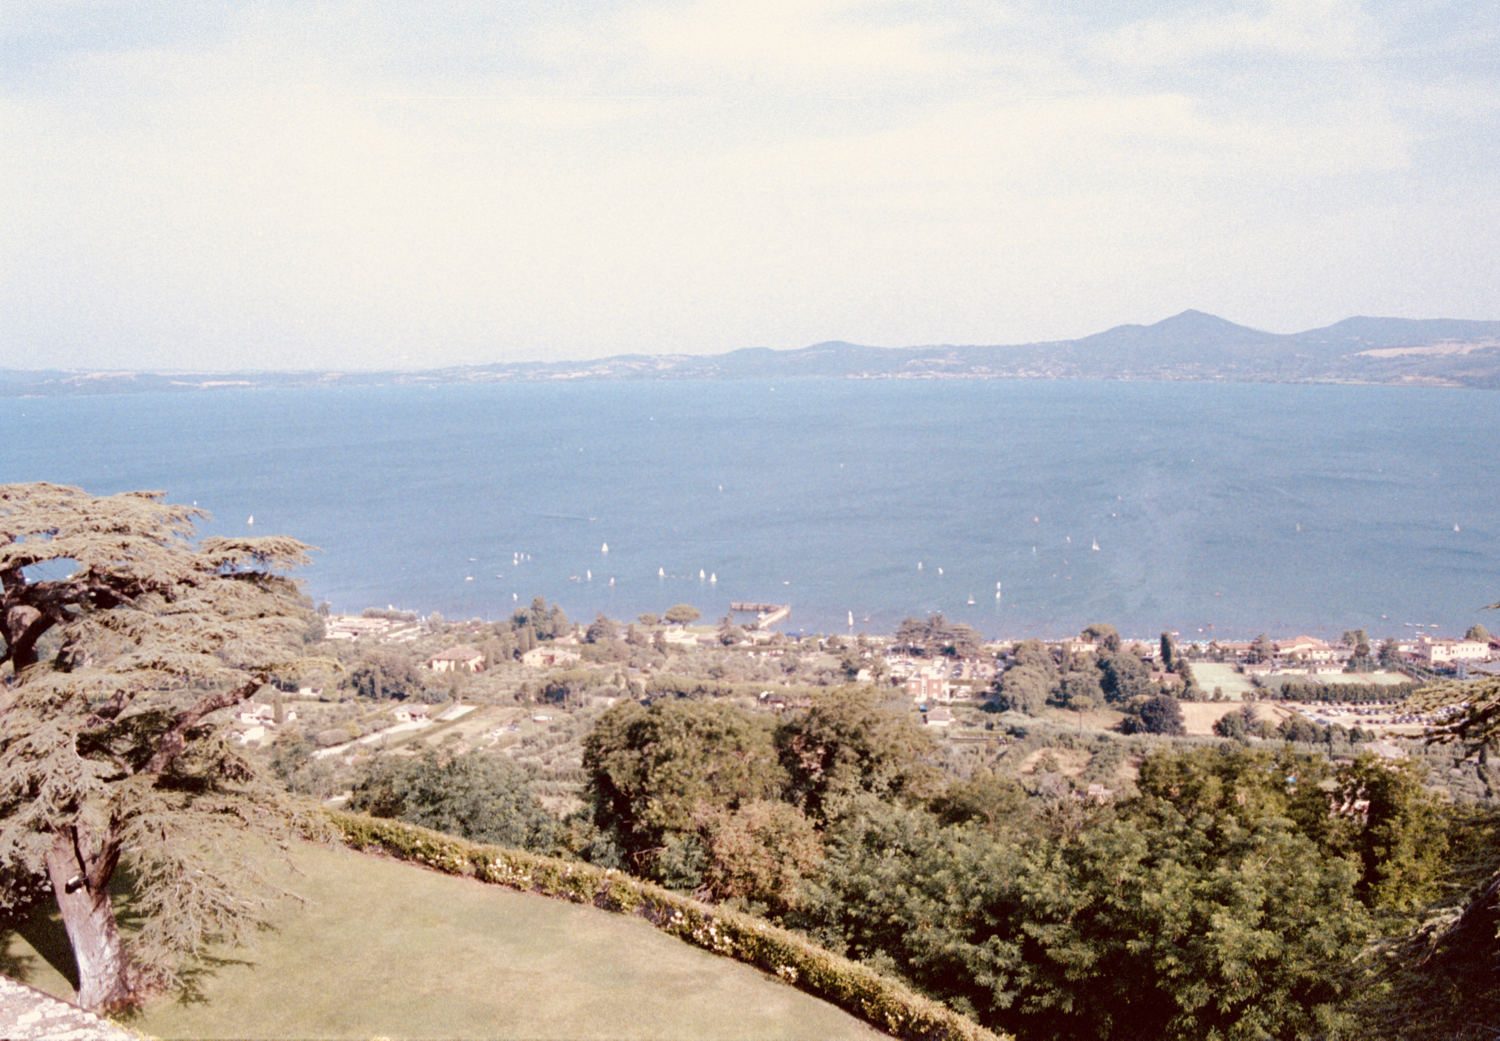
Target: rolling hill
(1188, 346)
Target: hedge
(882, 1002)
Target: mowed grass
(1379, 679)
(383, 949)
(1232, 683)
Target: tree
(1025, 688)
(1104, 634)
(845, 744)
(1390, 655)
(1168, 652)
(654, 772)
(937, 635)
(1393, 827)
(759, 852)
(1237, 724)
(484, 798)
(1159, 715)
(682, 614)
(1034, 652)
(1080, 691)
(109, 750)
(385, 674)
(1123, 676)
(602, 630)
(1477, 632)
(913, 633)
(1261, 649)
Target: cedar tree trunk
(80, 882)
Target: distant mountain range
(1189, 346)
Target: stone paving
(27, 1014)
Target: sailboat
(1096, 545)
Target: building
(1098, 793)
(549, 657)
(412, 713)
(1307, 648)
(938, 717)
(265, 715)
(1444, 652)
(351, 627)
(929, 684)
(454, 659)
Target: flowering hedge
(878, 1000)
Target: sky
(224, 185)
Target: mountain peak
(1200, 323)
(1195, 328)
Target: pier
(766, 615)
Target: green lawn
(1234, 684)
(1380, 679)
(383, 949)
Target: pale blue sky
(375, 185)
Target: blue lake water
(1231, 509)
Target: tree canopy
(123, 639)
(483, 798)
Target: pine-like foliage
(123, 639)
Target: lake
(1216, 509)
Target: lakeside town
(529, 687)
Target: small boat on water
(1096, 545)
(971, 599)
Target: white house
(412, 713)
(1441, 652)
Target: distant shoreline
(1188, 347)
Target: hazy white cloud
(796, 45)
(1300, 30)
(324, 185)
